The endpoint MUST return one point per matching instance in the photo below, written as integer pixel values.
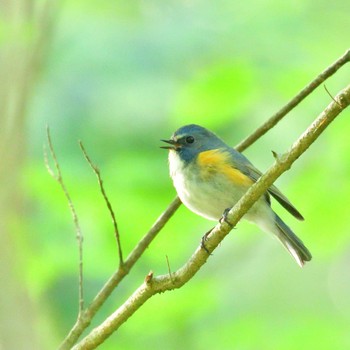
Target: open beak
(174, 144)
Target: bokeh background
(121, 75)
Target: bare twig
(116, 278)
(164, 283)
(271, 122)
(79, 235)
(108, 203)
(169, 269)
(329, 94)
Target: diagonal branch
(84, 321)
(307, 90)
(159, 284)
(118, 275)
(96, 170)
(79, 235)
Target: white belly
(206, 197)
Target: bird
(210, 177)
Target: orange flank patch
(216, 161)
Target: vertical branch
(79, 235)
(108, 203)
(21, 30)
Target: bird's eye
(189, 139)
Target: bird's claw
(204, 238)
(224, 217)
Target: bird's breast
(207, 185)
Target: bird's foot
(224, 217)
(204, 238)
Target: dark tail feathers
(292, 243)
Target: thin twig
(117, 277)
(47, 165)
(307, 90)
(169, 269)
(164, 283)
(108, 203)
(329, 94)
(79, 235)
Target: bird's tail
(292, 243)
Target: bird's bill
(174, 144)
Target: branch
(79, 235)
(162, 283)
(274, 119)
(84, 321)
(108, 203)
(308, 89)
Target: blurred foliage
(122, 75)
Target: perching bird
(210, 177)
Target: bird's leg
(224, 217)
(204, 238)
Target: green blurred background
(120, 76)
